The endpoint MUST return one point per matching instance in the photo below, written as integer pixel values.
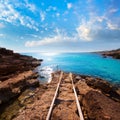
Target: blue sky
(59, 25)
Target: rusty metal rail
(77, 101)
(56, 93)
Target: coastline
(19, 78)
(112, 53)
(16, 74)
(91, 92)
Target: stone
(113, 53)
(16, 73)
(104, 86)
(100, 107)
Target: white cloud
(25, 4)
(51, 8)
(45, 41)
(57, 14)
(34, 35)
(65, 19)
(69, 5)
(98, 29)
(21, 37)
(2, 35)
(99, 18)
(42, 15)
(7, 12)
(112, 26)
(66, 13)
(2, 25)
(31, 7)
(84, 33)
(87, 29)
(11, 15)
(59, 37)
(113, 10)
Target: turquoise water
(82, 63)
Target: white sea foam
(45, 73)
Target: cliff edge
(113, 53)
(16, 73)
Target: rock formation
(16, 73)
(113, 53)
(96, 101)
(99, 99)
(13, 63)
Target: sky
(59, 25)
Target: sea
(92, 64)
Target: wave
(45, 73)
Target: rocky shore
(113, 53)
(99, 99)
(16, 73)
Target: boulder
(113, 53)
(14, 63)
(104, 86)
(100, 107)
(16, 73)
(15, 85)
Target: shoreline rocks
(113, 53)
(96, 103)
(99, 99)
(15, 85)
(14, 63)
(100, 107)
(16, 74)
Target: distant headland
(112, 53)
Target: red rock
(16, 74)
(104, 86)
(14, 86)
(100, 107)
(113, 53)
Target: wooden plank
(56, 92)
(77, 101)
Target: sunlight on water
(49, 59)
(45, 73)
(49, 54)
(80, 63)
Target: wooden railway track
(65, 88)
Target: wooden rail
(77, 101)
(56, 92)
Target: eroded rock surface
(16, 73)
(15, 85)
(100, 107)
(113, 53)
(97, 104)
(13, 63)
(99, 99)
